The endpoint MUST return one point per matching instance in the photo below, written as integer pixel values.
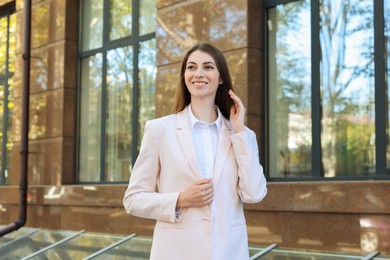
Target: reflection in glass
(81, 247)
(147, 87)
(90, 118)
(1, 131)
(119, 113)
(92, 24)
(3, 43)
(109, 111)
(347, 87)
(120, 18)
(10, 119)
(11, 44)
(290, 90)
(387, 68)
(7, 102)
(25, 246)
(147, 19)
(135, 248)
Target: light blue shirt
(205, 138)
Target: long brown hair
(222, 98)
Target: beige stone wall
(53, 71)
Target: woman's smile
(202, 76)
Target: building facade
(313, 75)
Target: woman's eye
(209, 67)
(190, 67)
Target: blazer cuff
(170, 213)
(240, 142)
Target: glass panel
(28, 245)
(136, 248)
(119, 113)
(3, 43)
(92, 24)
(16, 234)
(80, 247)
(147, 19)
(10, 118)
(12, 44)
(387, 79)
(2, 179)
(120, 19)
(147, 87)
(90, 118)
(347, 86)
(290, 90)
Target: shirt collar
(194, 120)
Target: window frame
(134, 40)
(382, 170)
(6, 11)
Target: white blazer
(167, 159)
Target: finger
(233, 109)
(202, 182)
(234, 96)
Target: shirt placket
(209, 158)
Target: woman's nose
(199, 73)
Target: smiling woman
(202, 79)
(201, 188)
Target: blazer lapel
(184, 135)
(224, 144)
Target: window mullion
(316, 115)
(106, 31)
(135, 33)
(381, 139)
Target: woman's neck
(204, 111)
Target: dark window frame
(5, 11)
(133, 41)
(382, 170)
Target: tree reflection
(290, 89)
(7, 100)
(347, 86)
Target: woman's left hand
(237, 113)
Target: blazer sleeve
(252, 185)
(141, 198)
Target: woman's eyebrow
(207, 62)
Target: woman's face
(201, 75)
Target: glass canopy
(36, 243)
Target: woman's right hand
(201, 193)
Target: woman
(205, 163)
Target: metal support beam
(263, 252)
(370, 256)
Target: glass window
(290, 90)
(147, 72)
(117, 79)
(147, 20)
(347, 87)
(92, 24)
(321, 88)
(121, 18)
(90, 113)
(7, 102)
(119, 99)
